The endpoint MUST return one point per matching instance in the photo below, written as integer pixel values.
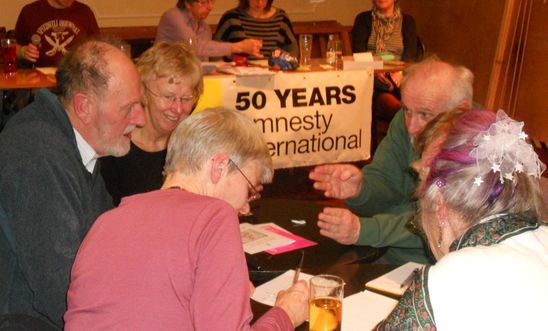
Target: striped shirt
(394, 44)
(275, 31)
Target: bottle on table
(330, 50)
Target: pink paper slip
(299, 242)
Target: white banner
(307, 118)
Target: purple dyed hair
(457, 167)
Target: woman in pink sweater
(172, 259)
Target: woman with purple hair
(484, 217)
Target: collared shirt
(88, 154)
(177, 25)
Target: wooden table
(12, 90)
(142, 37)
(26, 79)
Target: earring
(438, 245)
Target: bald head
(84, 69)
(432, 87)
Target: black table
(355, 264)
(326, 253)
(355, 276)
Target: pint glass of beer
(326, 295)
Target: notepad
(364, 310)
(392, 281)
(267, 292)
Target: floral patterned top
(415, 311)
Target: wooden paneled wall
(505, 44)
(461, 32)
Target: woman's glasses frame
(172, 99)
(253, 194)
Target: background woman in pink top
(172, 259)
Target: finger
(325, 168)
(329, 218)
(334, 212)
(323, 186)
(328, 227)
(320, 176)
(329, 234)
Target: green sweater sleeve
(383, 230)
(388, 182)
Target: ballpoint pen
(252, 264)
(298, 269)
(410, 278)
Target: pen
(410, 278)
(298, 269)
(252, 264)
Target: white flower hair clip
(503, 148)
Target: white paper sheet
(256, 239)
(364, 310)
(245, 71)
(392, 281)
(266, 293)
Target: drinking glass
(326, 295)
(9, 56)
(338, 62)
(305, 50)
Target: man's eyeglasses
(172, 99)
(253, 193)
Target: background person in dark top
(172, 79)
(258, 19)
(58, 24)
(385, 30)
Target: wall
(140, 12)
(528, 97)
(462, 32)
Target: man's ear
(83, 107)
(219, 165)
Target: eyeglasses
(253, 194)
(172, 99)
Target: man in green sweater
(380, 195)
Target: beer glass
(326, 295)
(9, 56)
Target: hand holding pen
(294, 300)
